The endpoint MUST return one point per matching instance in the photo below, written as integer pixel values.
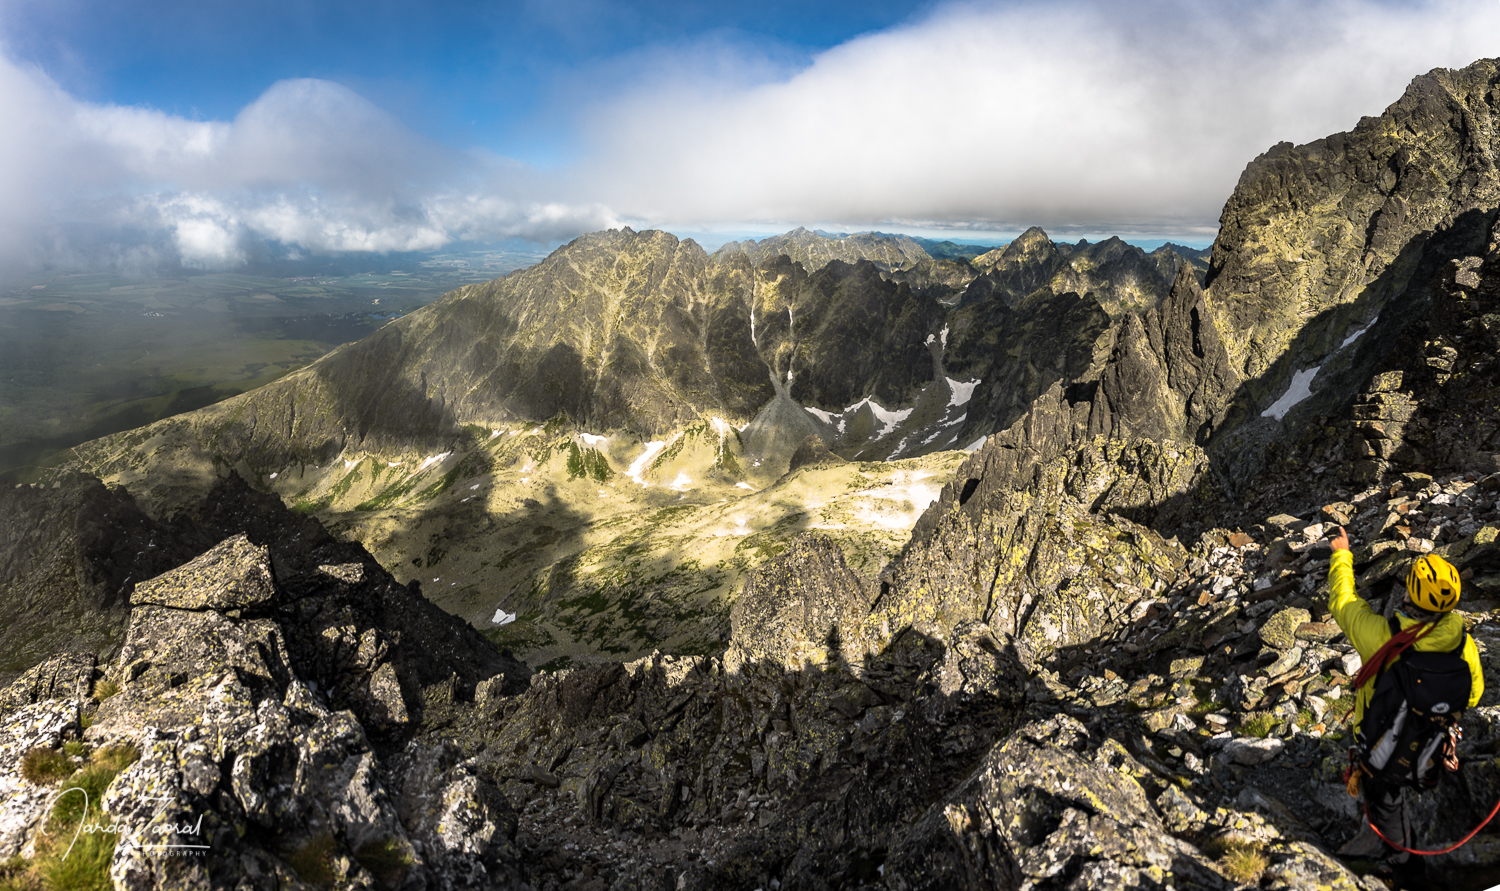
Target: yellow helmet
(1433, 583)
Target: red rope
(1453, 847)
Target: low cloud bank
(1080, 115)
(310, 163)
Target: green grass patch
(1207, 707)
(1258, 724)
(587, 463)
(342, 487)
(313, 862)
(67, 859)
(92, 779)
(44, 766)
(303, 508)
(1241, 862)
(105, 689)
(390, 496)
(386, 861)
(437, 488)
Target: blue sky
(481, 74)
(150, 133)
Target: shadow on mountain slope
(1400, 298)
(1315, 454)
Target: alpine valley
(815, 562)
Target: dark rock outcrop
(1317, 239)
(794, 611)
(260, 734)
(233, 575)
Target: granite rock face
(24, 804)
(64, 676)
(261, 735)
(1042, 807)
(1317, 240)
(234, 575)
(796, 610)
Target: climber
(1432, 591)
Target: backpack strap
(1389, 651)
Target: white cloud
(1101, 115)
(309, 163)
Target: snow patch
(475, 486)
(639, 465)
(273, 476)
(945, 337)
(976, 444)
(502, 617)
(1300, 389)
(890, 420)
(721, 426)
(744, 485)
(593, 441)
(348, 464)
(824, 416)
(494, 433)
(963, 391)
(435, 459)
(1355, 336)
(393, 463)
(681, 484)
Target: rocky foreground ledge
(330, 729)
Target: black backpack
(1415, 703)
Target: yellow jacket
(1368, 631)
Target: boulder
(1280, 631)
(234, 575)
(1250, 751)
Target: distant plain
(83, 355)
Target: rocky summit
(815, 563)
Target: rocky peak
(814, 250)
(1344, 219)
(1016, 271)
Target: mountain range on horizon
(862, 532)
